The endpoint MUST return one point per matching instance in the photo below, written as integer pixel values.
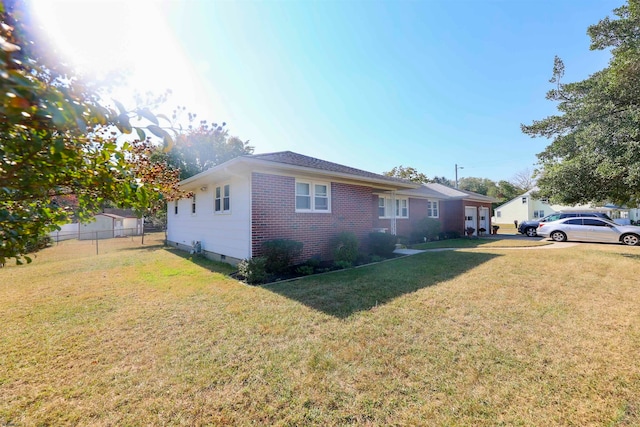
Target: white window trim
(222, 211)
(389, 207)
(194, 206)
(175, 207)
(312, 195)
(430, 203)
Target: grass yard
(482, 337)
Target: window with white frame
(433, 210)
(498, 214)
(386, 207)
(313, 196)
(222, 199)
(193, 204)
(402, 208)
(524, 200)
(538, 214)
(175, 207)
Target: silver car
(590, 230)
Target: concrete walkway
(553, 245)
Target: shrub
(253, 270)
(343, 264)
(345, 247)
(427, 227)
(280, 254)
(452, 234)
(305, 270)
(382, 244)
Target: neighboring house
(238, 205)
(526, 207)
(111, 223)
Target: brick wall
(405, 226)
(274, 215)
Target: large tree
(594, 155)
(57, 139)
(408, 173)
(200, 147)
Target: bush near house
(345, 248)
(254, 270)
(280, 254)
(382, 244)
(427, 228)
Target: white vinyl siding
(226, 233)
(222, 199)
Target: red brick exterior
(274, 215)
(454, 218)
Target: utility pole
(457, 167)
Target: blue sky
(370, 84)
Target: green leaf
(157, 131)
(120, 107)
(125, 125)
(141, 135)
(167, 143)
(144, 112)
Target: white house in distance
(526, 207)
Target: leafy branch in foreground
(56, 138)
(594, 155)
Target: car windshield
(549, 218)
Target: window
(594, 222)
(386, 208)
(524, 200)
(312, 196)
(222, 199)
(193, 204)
(432, 209)
(381, 207)
(175, 207)
(498, 214)
(545, 200)
(538, 214)
(402, 208)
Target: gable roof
(440, 191)
(294, 163)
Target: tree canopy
(594, 154)
(408, 173)
(57, 139)
(203, 146)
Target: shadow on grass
(213, 266)
(347, 292)
(632, 256)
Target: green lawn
(482, 337)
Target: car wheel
(530, 232)
(558, 236)
(631, 239)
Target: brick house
(251, 199)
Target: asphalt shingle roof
(295, 159)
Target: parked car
(590, 229)
(529, 227)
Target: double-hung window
(175, 207)
(432, 209)
(387, 207)
(222, 200)
(313, 196)
(193, 204)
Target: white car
(590, 230)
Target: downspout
(393, 214)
